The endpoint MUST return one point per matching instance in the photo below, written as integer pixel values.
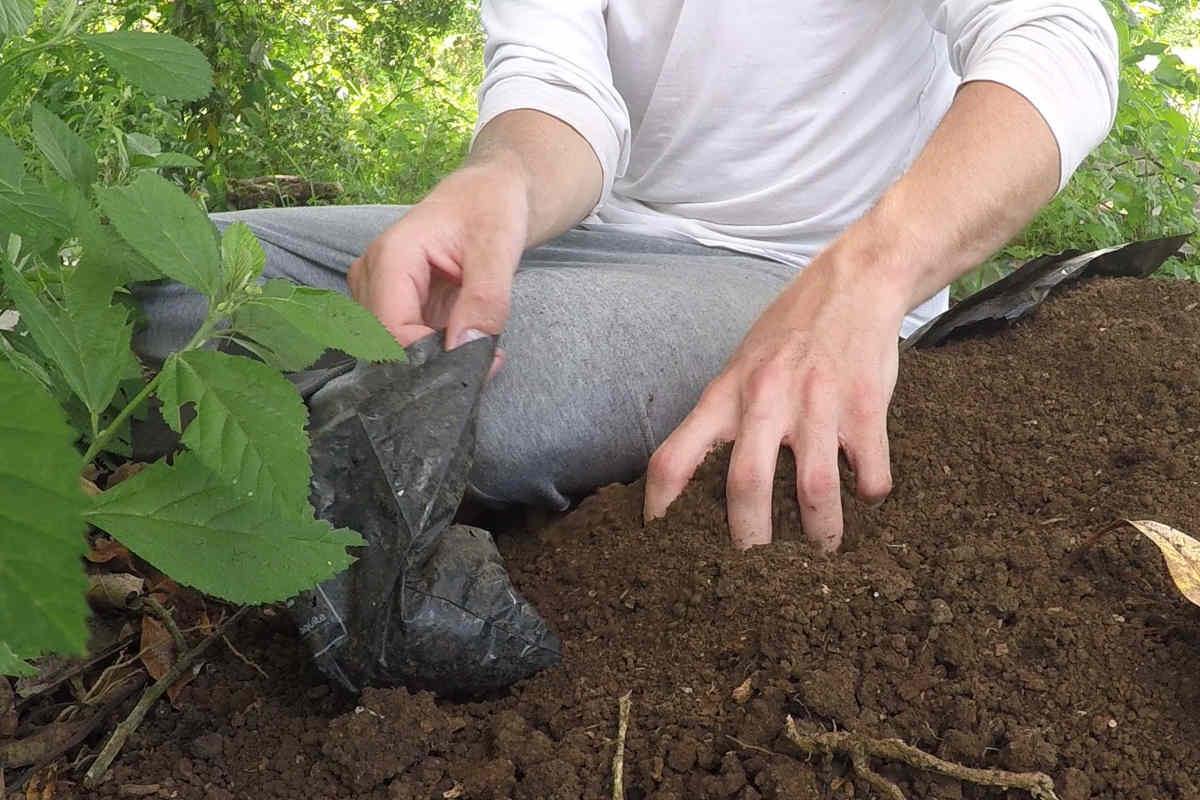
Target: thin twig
(164, 616)
(78, 669)
(618, 764)
(123, 731)
(245, 660)
(748, 746)
(861, 749)
(1087, 546)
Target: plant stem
(102, 438)
(197, 341)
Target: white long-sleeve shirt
(770, 126)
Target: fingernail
(469, 335)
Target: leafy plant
(230, 514)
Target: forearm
(544, 163)
(987, 169)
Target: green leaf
(242, 257)
(104, 249)
(298, 324)
(163, 161)
(13, 664)
(41, 531)
(34, 214)
(165, 227)
(12, 164)
(15, 17)
(66, 151)
(143, 144)
(158, 63)
(249, 425)
(195, 527)
(88, 338)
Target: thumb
(482, 305)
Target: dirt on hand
(973, 615)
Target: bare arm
(987, 169)
(817, 370)
(555, 166)
(449, 262)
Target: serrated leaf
(34, 214)
(242, 257)
(158, 63)
(15, 17)
(143, 144)
(41, 530)
(163, 161)
(104, 249)
(12, 164)
(298, 323)
(88, 338)
(165, 227)
(13, 664)
(249, 425)
(66, 151)
(192, 525)
(1180, 551)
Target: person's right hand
(449, 262)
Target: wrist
(491, 193)
(888, 262)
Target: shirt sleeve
(1061, 55)
(552, 56)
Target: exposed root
(618, 764)
(861, 749)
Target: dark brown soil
(965, 616)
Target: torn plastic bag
(428, 604)
(1019, 292)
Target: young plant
(230, 514)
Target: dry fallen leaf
(742, 692)
(1181, 552)
(124, 472)
(111, 590)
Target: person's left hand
(815, 373)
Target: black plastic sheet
(1018, 293)
(428, 604)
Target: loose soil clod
(957, 618)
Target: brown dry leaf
(158, 653)
(104, 550)
(41, 786)
(124, 472)
(742, 692)
(89, 488)
(112, 589)
(33, 748)
(1181, 552)
(8, 711)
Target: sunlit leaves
(158, 63)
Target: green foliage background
(380, 96)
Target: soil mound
(973, 615)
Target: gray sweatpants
(611, 339)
